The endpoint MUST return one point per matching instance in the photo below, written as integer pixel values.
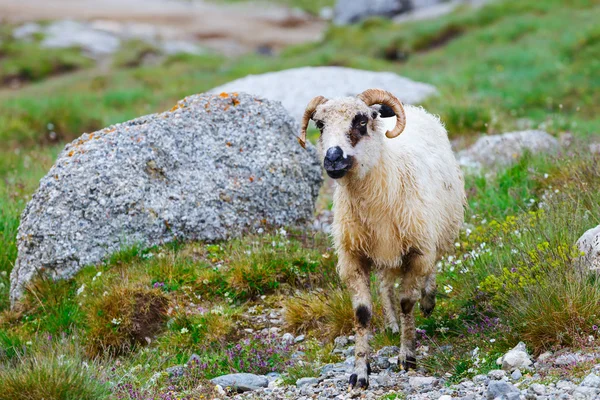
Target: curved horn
(308, 114)
(378, 96)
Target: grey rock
(242, 382)
(538, 389)
(271, 376)
(592, 380)
(299, 339)
(382, 362)
(566, 359)
(384, 380)
(388, 351)
(302, 84)
(480, 378)
(287, 338)
(306, 381)
(544, 356)
(212, 168)
(497, 374)
(516, 375)
(584, 392)
(66, 33)
(349, 351)
(513, 396)
(418, 382)
(340, 342)
(565, 385)
(504, 149)
(516, 358)
(589, 244)
(351, 11)
(499, 388)
(434, 9)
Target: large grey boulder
(504, 149)
(213, 167)
(515, 358)
(242, 382)
(294, 88)
(589, 244)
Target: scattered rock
(445, 397)
(592, 380)
(67, 33)
(418, 382)
(537, 389)
(544, 356)
(26, 31)
(499, 388)
(214, 167)
(589, 243)
(516, 375)
(242, 382)
(299, 339)
(340, 342)
(351, 11)
(306, 381)
(566, 359)
(497, 374)
(504, 149)
(287, 338)
(302, 84)
(516, 358)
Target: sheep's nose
(334, 154)
(336, 165)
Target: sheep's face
(351, 136)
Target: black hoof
(363, 383)
(409, 363)
(368, 368)
(352, 380)
(426, 311)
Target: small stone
(340, 342)
(445, 397)
(418, 382)
(242, 382)
(384, 380)
(566, 359)
(516, 358)
(592, 380)
(544, 356)
(538, 389)
(480, 378)
(513, 396)
(565, 385)
(287, 338)
(497, 374)
(382, 362)
(499, 388)
(306, 381)
(389, 351)
(516, 375)
(299, 338)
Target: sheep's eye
(320, 125)
(363, 123)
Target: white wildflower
(116, 321)
(448, 288)
(81, 289)
(184, 330)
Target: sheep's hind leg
(408, 298)
(387, 280)
(356, 276)
(428, 293)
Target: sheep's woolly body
(411, 198)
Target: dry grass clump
(124, 317)
(328, 312)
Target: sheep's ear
(386, 111)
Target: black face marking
(358, 128)
(320, 125)
(374, 114)
(363, 315)
(407, 306)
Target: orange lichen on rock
(236, 102)
(223, 95)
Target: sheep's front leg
(355, 272)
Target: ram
(398, 206)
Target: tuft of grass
(125, 317)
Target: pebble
(516, 375)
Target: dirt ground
(226, 27)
